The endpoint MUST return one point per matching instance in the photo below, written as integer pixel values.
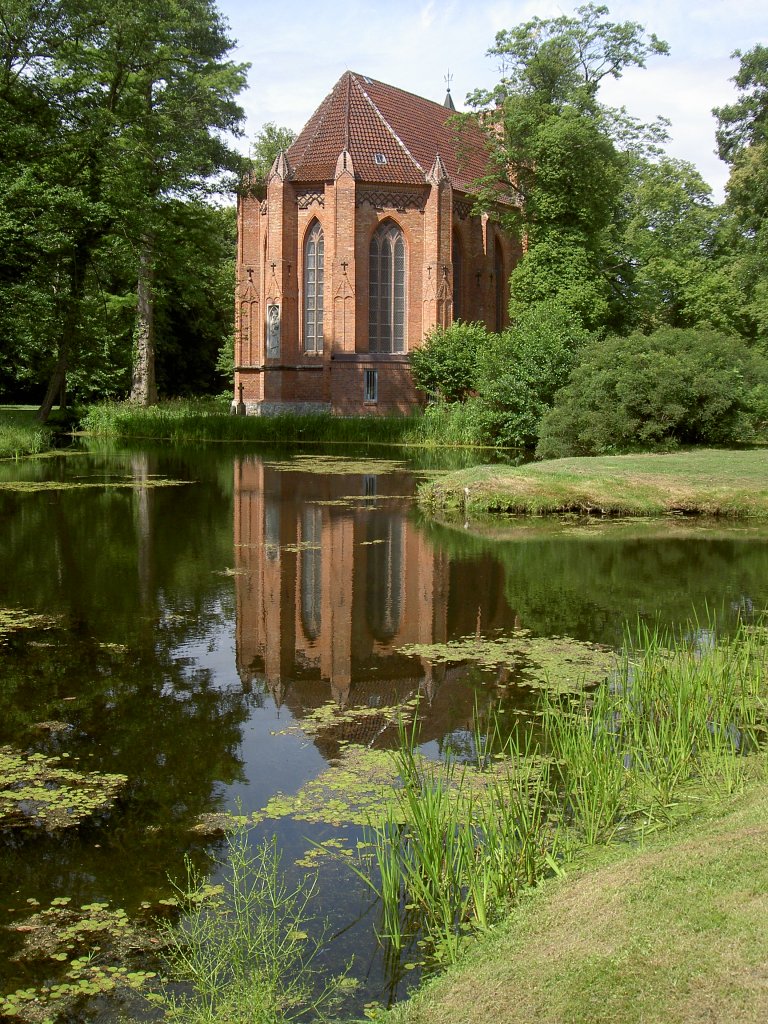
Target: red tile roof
(371, 119)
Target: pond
(212, 629)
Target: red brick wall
(348, 226)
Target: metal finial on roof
(448, 101)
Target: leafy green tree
(669, 233)
(110, 113)
(445, 365)
(521, 370)
(672, 387)
(269, 141)
(559, 151)
(742, 139)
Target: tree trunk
(70, 327)
(55, 386)
(143, 386)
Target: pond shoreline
(701, 482)
(665, 931)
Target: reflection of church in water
(333, 577)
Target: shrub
(522, 369)
(675, 386)
(445, 365)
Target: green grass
(198, 420)
(20, 433)
(702, 481)
(677, 726)
(673, 931)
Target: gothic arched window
(386, 290)
(313, 289)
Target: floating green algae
(557, 663)
(29, 486)
(326, 464)
(88, 950)
(37, 790)
(13, 619)
(330, 715)
(360, 788)
(355, 790)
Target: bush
(521, 370)
(445, 365)
(672, 387)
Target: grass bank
(196, 420)
(676, 931)
(703, 481)
(20, 433)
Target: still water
(200, 605)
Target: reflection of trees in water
(133, 577)
(589, 588)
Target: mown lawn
(702, 481)
(675, 933)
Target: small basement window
(371, 386)
(379, 158)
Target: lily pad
(29, 486)
(326, 464)
(557, 663)
(37, 791)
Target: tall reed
(197, 420)
(460, 842)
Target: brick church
(366, 240)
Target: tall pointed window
(386, 308)
(313, 289)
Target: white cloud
(297, 56)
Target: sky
(299, 50)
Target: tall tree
(269, 141)
(560, 152)
(109, 110)
(742, 138)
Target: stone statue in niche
(273, 331)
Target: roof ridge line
(388, 126)
(396, 88)
(327, 103)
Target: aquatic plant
(457, 843)
(242, 947)
(13, 619)
(20, 436)
(188, 420)
(38, 791)
(554, 663)
(676, 722)
(88, 951)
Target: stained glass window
(386, 294)
(313, 289)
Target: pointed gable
(392, 137)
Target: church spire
(448, 101)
